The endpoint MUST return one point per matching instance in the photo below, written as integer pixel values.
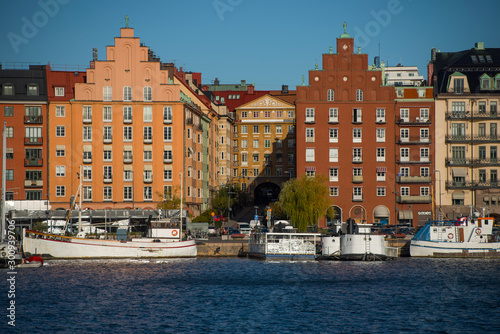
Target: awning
(493, 198)
(405, 214)
(167, 167)
(148, 148)
(148, 167)
(9, 150)
(60, 147)
(310, 169)
(381, 212)
(107, 147)
(459, 172)
(87, 148)
(128, 167)
(458, 195)
(127, 147)
(381, 169)
(167, 147)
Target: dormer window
(32, 90)
(59, 91)
(458, 86)
(497, 82)
(8, 89)
(485, 82)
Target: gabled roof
(267, 102)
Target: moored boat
(466, 237)
(283, 246)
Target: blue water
(231, 295)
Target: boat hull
(420, 248)
(58, 247)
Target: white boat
(283, 246)
(357, 245)
(463, 238)
(64, 247)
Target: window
(333, 135)
(148, 114)
(9, 174)
(33, 195)
(279, 129)
(405, 135)
(458, 109)
(108, 172)
(334, 174)
(309, 154)
(309, 135)
(333, 115)
(127, 114)
(485, 82)
(482, 107)
(400, 92)
(291, 129)
(279, 113)
(493, 107)
(255, 114)
(424, 171)
(127, 193)
(87, 156)
(107, 155)
(167, 175)
(167, 133)
(381, 176)
(493, 153)
(267, 129)
(32, 89)
(244, 114)
(127, 93)
(267, 143)
(148, 94)
(458, 153)
(424, 135)
(107, 114)
(424, 154)
(87, 173)
(291, 158)
(148, 193)
(380, 154)
(493, 130)
(357, 155)
(380, 115)
(107, 193)
(404, 154)
(244, 129)
(244, 158)
(87, 133)
(148, 155)
(60, 111)
(60, 191)
(9, 195)
(167, 114)
(107, 134)
(60, 171)
(356, 135)
(310, 115)
(357, 172)
(8, 89)
(424, 114)
(148, 175)
(290, 114)
(147, 134)
(10, 133)
(9, 111)
(421, 92)
(244, 143)
(87, 114)
(334, 191)
(255, 157)
(458, 85)
(189, 133)
(381, 135)
(60, 131)
(279, 143)
(405, 191)
(87, 193)
(380, 191)
(267, 114)
(333, 155)
(33, 133)
(310, 173)
(255, 143)
(107, 93)
(359, 95)
(255, 172)
(127, 133)
(356, 115)
(404, 115)
(255, 129)
(357, 193)
(60, 152)
(330, 95)
(424, 191)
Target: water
(231, 295)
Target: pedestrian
(189, 234)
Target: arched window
(359, 95)
(330, 95)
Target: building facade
(467, 92)
(345, 131)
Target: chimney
(243, 82)
(284, 89)
(433, 54)
(479, 46)
(216, 82)
(250, 89)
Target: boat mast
(80, 205)
(4, 168)
(180, 234)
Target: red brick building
(345, 130)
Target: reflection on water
(245, 296)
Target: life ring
(4, 254)
(478, 231)
(174, 233)
(450, 235)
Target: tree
(304, 200)
(220, 199)
(169, 200)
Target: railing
(416, 120)
(413, 199)
(472, 185)
(108, 140)
(413, 179)
(357, 178)
(33, 119)
(413, 140)
(127, 160)
(33, 140)
(167, 160)
(469, 138)
(357, 198)
(357, 159)
(33, 183)
(472, 162)
(167, 121)
(476, 115)
(31, 162)
(87, 160)
(148, 140)
(423, 160)
(87, 120)
(127, 121)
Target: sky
(266, 42)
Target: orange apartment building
(345, 130)
(264, 146)
(132, 132)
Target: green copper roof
(345, 34)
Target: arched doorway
(333, 216)
(358, 213)
(266, 193)
(381, 215)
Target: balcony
(107, 139)
(127, 121)
(236, 149)
(235, 134)
(310, 120)
(357, 178)
(357, 160)
(33, 119)
(413, 121)
(148, 140)
(167, 121)
(148, 178)
(413, 199)
(472, 185)
(472, 162)
(407, 161)
(33, 162)
(333, 120)
(413, 140)
(33, 183)
(127, 159)
(87, 120)
(33, 140)
(236, 163)
(357, 198)
(413, 179)
(107, 179)
(469, 138)
(167, 160)
(87, 160)
(476, 116)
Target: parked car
(212, 231)
(219, 218)
(244, 228)
(387, 232)
(231, 231)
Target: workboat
(358, 244)
(466, 237)
(283, 245)
(53, 246)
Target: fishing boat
(358, 244)
(466, 237)
(283, 245)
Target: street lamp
(439, 212)
(228, 204)
(410, 215)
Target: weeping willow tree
(304, 200)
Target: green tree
(304, 200)
(220, 199)
(169, 200)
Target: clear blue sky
(268, 42)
